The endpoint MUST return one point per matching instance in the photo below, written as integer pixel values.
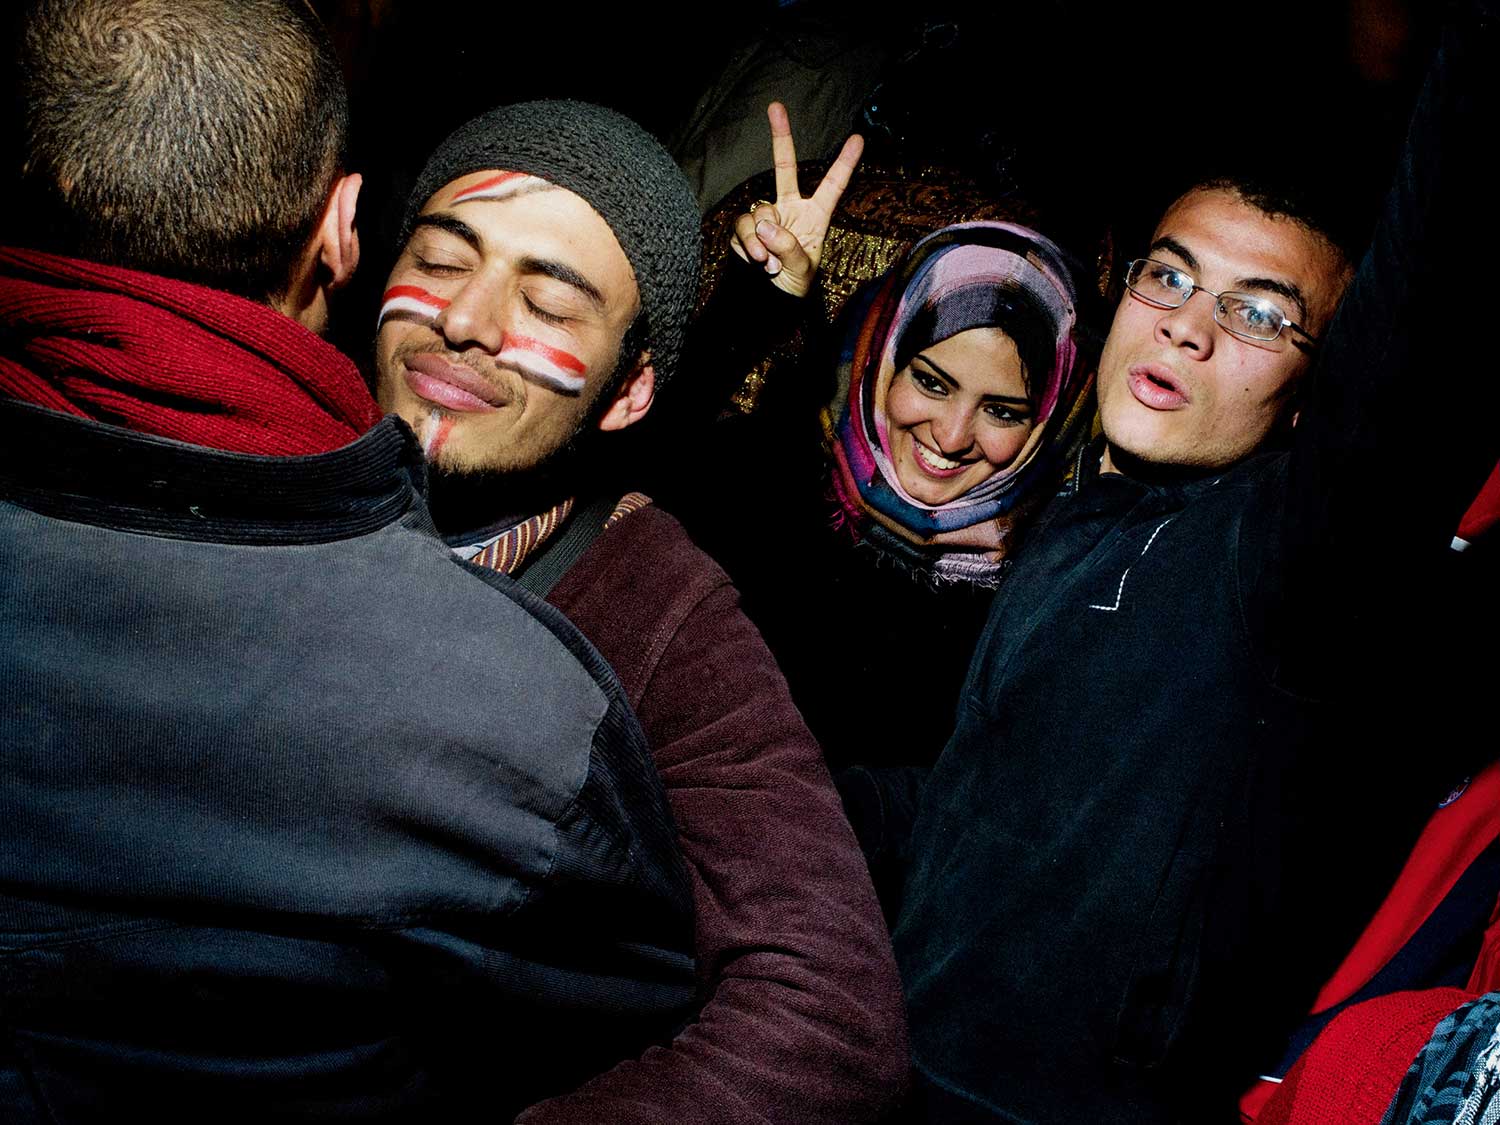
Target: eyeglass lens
(1240, 313)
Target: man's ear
(328, 260)
(339, 252)
(632, 400)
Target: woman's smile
(958, 413)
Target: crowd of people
(1024, 716)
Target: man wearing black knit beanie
(539, 301)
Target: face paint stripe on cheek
(544, 364)
(502, 186)
(409, 299)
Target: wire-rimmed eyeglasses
(1246, 315)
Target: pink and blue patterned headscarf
(946, 284)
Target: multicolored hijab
(939, 289)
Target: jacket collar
(1086, 474)
(89, 472)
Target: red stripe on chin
(443, 427)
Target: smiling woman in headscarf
(869, 505)
(869, 500)
(960, 392)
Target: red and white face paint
(503, 185)
(435, 431)
(544, 364)
(541, 363)
(412, 300)
(487, 351)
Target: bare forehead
(1233, 241)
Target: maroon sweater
(802, 1019)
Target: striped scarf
(966, 538)
(508, 551)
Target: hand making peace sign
(787, 236)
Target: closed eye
(438, 269)
(545, 315)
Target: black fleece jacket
(1157, 824)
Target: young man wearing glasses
(1157, 824)
(1202, 363)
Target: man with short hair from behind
(293, 800)
(1169, 805)
(548, 269)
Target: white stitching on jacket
(1147, 547)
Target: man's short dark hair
(1306, 203)
(196, 139)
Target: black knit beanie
(619, 170)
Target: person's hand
(786, 237)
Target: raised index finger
(783, 152)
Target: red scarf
(173, 359)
